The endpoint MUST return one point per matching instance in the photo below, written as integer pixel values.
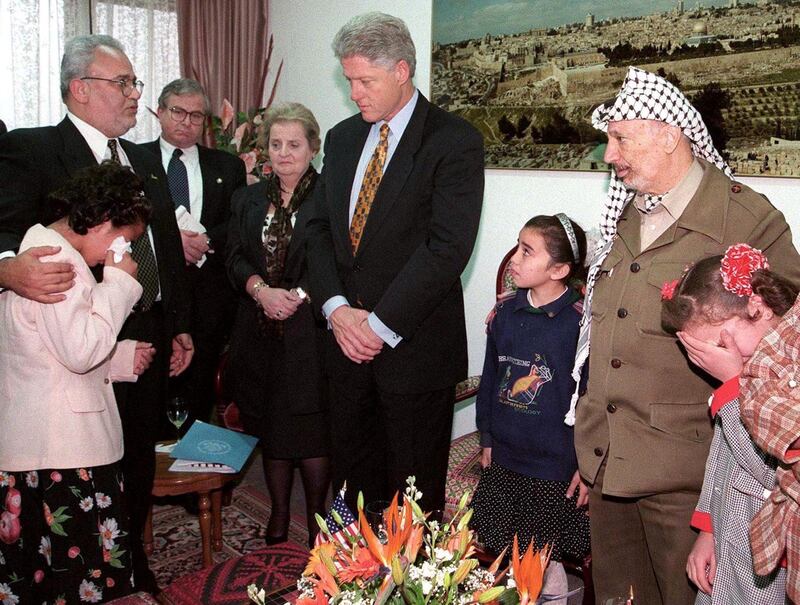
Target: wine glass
(177, 412)
(374, 513)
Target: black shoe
(270, 540)
(144, 580)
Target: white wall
(303, 31)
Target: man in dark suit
(201, 181)
(397, 211)
(101, 93)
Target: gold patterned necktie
(369, 186)
(142, 253)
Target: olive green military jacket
(646, 407)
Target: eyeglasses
(179, 115)
(125, 85)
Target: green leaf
(116, 563)
(56, 528)
(509, 597)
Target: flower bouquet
(241, 140)
(415, 560)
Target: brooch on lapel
(154, 177)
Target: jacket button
(598, 451)
(616, 363)
(622, 313)
(611, 408)
(356, 267)
(106, 381)
(635, 267)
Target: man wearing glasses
(101, 92)
(201, 181)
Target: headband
(573, 241)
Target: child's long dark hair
(559, 247)
(700, 296)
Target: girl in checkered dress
(721, 309)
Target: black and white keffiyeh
(643, 96)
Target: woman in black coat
(275, 362)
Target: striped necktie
(142, 253)
(369, 186)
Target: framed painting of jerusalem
(527, 74)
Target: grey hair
(381, 38)
(79, 54)
(291, 112)
(184, 86)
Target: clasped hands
(354, 335)
(278, 303)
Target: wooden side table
(208, 487)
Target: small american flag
(339, 533)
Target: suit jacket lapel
(76, 153)
(297, 244)
(212, 182)
(256, 213)
(394, 179)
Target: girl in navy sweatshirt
(530, 485)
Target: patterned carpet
(176, 534)
(244, 558)
(464, 470)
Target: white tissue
(119, 247)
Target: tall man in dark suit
(101, 92)
(201, 181)
(398, 205)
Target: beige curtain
(148, 30)
(223, 44)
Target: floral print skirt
(63, 536)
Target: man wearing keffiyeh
(642, 431)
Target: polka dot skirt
(506, 503)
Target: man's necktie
(178, 180)
(112, 147)
(369, 186)
(142, 253)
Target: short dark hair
(182, 87)
(106, 192)
(558, 245)
(700, 296)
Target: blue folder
(207, 447)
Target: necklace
(280, 186)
